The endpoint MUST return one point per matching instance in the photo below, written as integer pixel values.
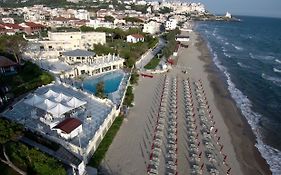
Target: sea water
(248, 54)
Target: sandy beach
(130, 152)
(241, 133)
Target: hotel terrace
(86, 63)
(76, 120)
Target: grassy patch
(129, 97)
(106, 142)
(153, 63)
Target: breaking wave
(271, 155)
(276, 70)
(277, 61)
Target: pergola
(54, 103)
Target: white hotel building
(66, 52)
(86, 63)
(58, 42)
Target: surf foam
(270, 154)
(276, 70)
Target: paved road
(150, 54)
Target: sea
(248, 54)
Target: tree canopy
(132, 19)
(9, 131)
(109, 18)
(165, 10)
(33, 161)
(100, 89)
(14, 44)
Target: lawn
(106, 142)
(153, 63)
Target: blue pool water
(111, 82)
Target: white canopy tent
(62, 98)
(54, 103)
(50, 94)
(46, 105)
(75, 102)
(34, 100)
(59, 110)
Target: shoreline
(242, 136)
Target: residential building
(31, 27)
(151, 27)
(98, 23)
(7, 66)
(171, 24)
(82, 14)
(69, 128)
(134, 38)
(33, 16)
(8, 20)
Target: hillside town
(68, 74)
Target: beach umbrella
(202, 166)
(221, 148)
(228, 171)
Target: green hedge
(153, 63)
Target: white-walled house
(171, 24)
(151, 27)
(134, 38)
(69, 128)
(82, 14)
(98, 23)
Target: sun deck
(92, 115)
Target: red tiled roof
(137, 36)
(60, 19)
(5, 62)
(13, 26)
(68, 125)
(32, 24)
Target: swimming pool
(111, 82)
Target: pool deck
(21, 113)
